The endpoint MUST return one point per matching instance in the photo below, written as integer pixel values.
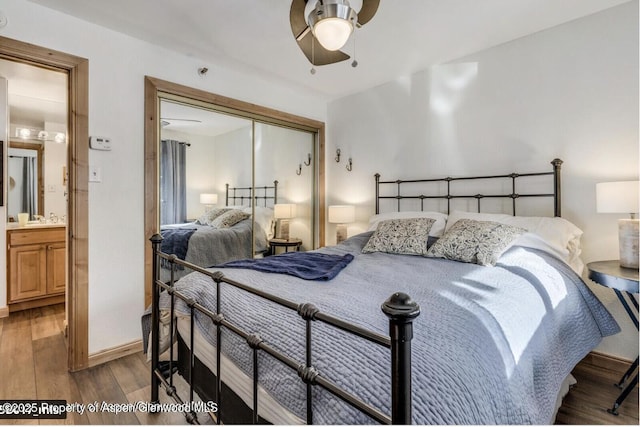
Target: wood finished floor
(33, 366)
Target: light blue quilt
(492, 345)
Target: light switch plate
(100, 143)
(95, 174)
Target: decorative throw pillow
(478, 242)
(229, 219)
(401, 236)
(207, 217)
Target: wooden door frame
(77, 306)
(153, 87)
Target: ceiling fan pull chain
(354, 64)
(313, 55)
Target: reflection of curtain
(29, 186)
(173, 200)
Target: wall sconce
(284, 212)
(341, 215)
(622, 197)
(208, 200)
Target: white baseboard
(114, 353)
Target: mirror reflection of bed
(220, 177)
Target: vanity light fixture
(23, 133)
(39, 134)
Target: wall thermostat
(100, 143)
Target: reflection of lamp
(284, 212)
(332, 23)
(622, 197)
(208, 200)
(341, 215)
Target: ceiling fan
(323, 31)
(166, 121)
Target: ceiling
(36, 95)
(404, 36)
(200, 121)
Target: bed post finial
(557, 191)
(401, 311)
(377, 176)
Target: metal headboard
(449, 180)
(247, 194)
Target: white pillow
(436, 230)
(264, 218)
(554, 235)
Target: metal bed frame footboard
(399, 308)
(252, 195)
(448, 196)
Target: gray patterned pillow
(401, 236)
(229, 218)
(478, 242)
(207, 217)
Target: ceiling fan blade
(318, 55)
(297, 18)
(368, 9)
(181, 120)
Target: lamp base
(628, 232)
(284, 229)
(341, 233)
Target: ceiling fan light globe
(332, 23)
(333, 33)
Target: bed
(241, 229)
(400, 335)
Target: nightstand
(283, 243)
(611, 275)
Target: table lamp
(283, 212)
(208, 200)
(341, 215)
(622, 197)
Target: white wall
(569, 92)
(117, 66)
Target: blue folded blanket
(176, 241)
(306, 265)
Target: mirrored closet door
(207, 155)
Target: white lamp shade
(208, 199)
(284, 210)
(617, 197)
(342, 214)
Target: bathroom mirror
(25, 187)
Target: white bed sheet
(236, 380)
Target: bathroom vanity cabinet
(36, 266)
